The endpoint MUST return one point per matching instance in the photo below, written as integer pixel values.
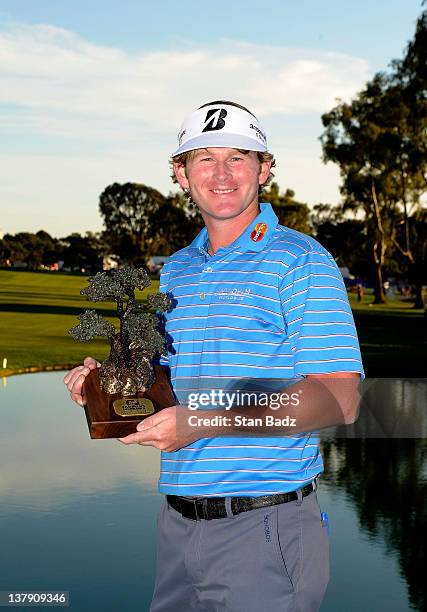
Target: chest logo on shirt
(259, 231)
(232, 294)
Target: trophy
(127, 387)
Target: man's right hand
(76, 377)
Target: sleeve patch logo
(259, 232)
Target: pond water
(79, 515)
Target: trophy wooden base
(114, 416)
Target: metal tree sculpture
(128, 368)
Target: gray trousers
(269, 559)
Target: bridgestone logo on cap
(221, 125)
(214, 119)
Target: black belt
(208, 508)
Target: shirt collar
(253, 238)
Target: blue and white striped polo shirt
(270, 305)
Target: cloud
(76, 115)
(50, 69)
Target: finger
(145, 424)
(139, 437)
(149, 443)
(73, 379)
(71, 373)
(130, 439)
(91, 363)
(78, 384)
(76, 373)
(76, 397)
(172, 448)
(160, 444)
(154, 420)
(79, 378)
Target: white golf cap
(221, 124)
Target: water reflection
(389, 408)
(46, 450)
(79, 514)
(385, 480)
(76, 514)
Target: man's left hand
(160, 430)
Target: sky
(93, 93)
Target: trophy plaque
(127, 387)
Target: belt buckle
(193, 502)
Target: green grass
(392, 337)
(36, 312)
(38, 309)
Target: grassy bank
(392, 337)
(36, 312)
(38, 309)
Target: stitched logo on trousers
(267, 531)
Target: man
(241, 528)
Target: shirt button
(202, 296)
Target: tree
(371, 140)
(379, 140)
(33, 249)
(415, 272)
(177, 224)
(289, 212)
(12, 250)
(49, 247)
(344, 237)
(411, 73)
(140, 221)
(25, 247)
(129, 213)
(79, 251)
